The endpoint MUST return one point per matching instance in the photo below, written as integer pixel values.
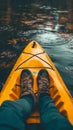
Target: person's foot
(26, 81)
(43, 82)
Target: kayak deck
(35, 58)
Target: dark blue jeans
(13, 114)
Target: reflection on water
(47, 22)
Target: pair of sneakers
(26, 81)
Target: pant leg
(50, 117)
(13, 114)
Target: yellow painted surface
(34, 58)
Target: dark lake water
(48, 22)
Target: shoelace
(43, 83)
(26, 83)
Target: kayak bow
(34, 58)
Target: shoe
(26, 81)
(43, 82)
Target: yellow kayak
(34, 58)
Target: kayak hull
(34, 58)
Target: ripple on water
(47, 38)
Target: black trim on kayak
(34, 68)
(34, 55)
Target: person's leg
(49, 115)
(13, 114)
